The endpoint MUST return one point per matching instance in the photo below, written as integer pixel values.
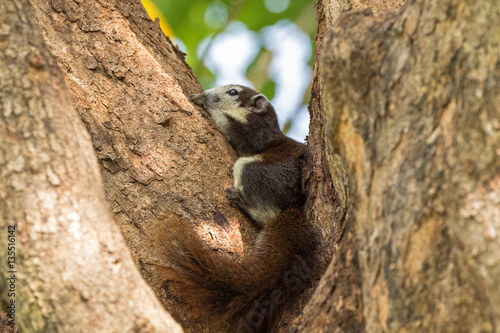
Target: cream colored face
(220, 104)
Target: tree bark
(409, 101)
(71, 270)
(161, 160)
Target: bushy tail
(250, 294)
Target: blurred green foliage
(192, 21)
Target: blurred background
(264, 44)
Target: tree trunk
(410, 102)
(69, 269)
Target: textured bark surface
(161, 159)
(337, 301)
(6, 324)
(74, 271)
(334, 8)
(410, 100)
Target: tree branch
(72, 270)
(161, 159)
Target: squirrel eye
(233, 92)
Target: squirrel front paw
(233, 196)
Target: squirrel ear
(259, 103)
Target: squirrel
(252, 294)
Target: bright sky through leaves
(265, 44)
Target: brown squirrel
(251, 295)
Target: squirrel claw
(233, 195)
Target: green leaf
(287, 126)
(269, 89)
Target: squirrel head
(245, 117)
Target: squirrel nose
(198, 99)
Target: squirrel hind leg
(261, 214)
